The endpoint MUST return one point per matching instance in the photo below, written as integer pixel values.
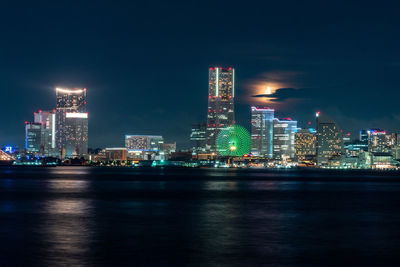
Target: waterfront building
(144, 142)
(71, 123)
(355, 148)
(33, 138)
(396, 147)
(48, 133)
(167, 149)
(396, 152)
(382, 160)
(329, 141)
(221, 94)
(305, 141)
(380, 142)
(5, 158)
(376, 140)
(262, 129)
(112, 154)
(198, 138)
(364, 160)
(283, 138)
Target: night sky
(145, 65)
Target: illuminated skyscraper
(48, 138)
(305, 145)
(380, 141)
(329, 141)
(221, 94)
(283, 138)
(72, 123)
(364, 136)
(198, 137)
(33, 138)
(262, 131)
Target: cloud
(283, 94)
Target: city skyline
(343, 61)
(229, 95)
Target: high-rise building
(48, 137)
(346, 138)
(364, 136)
(305, 145)
(262, 131)
(221, 94)
(144, 142)
(283, 138)
(33, 138)
(144, 147)
(72, 123)
(198, 137)
(379, 141)
(329, 141)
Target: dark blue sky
(145, 65)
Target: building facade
(112, 154)
(262, 131)
(283, 138)
(221, 94)
(144, 142)
(48, 136)
(144, 147)
(198, 139)
(363, 136)
(380, 142)
(72, 123)
(329, 141)
(33, 138)
(305, 145)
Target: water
(78, 216)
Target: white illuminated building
(221, 94)
(72, 123)
(47, 119)
(283, 138)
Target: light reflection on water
(82, 216)
(67, 226)
(61, 185)
(76, 170)
(220, 185)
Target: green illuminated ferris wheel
(233, 141)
